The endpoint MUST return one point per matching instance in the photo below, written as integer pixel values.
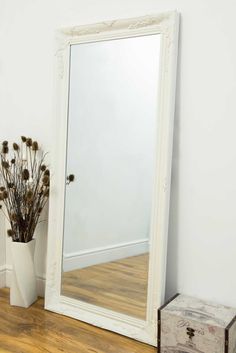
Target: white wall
(2, 253)
(202, 241)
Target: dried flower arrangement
(24, 187)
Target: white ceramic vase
(23, 291)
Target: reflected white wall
(111, 142)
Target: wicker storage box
(189, 325)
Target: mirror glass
(111, 150)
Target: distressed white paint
(167, 26)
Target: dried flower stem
(24, 188)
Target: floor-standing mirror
(111, 173)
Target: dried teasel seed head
(14, 217)
(45, 180)
(5, 164)
(29, 195)
(10, 232)
(16, 146)
(47, 172)
(5, 194)
(29, 142)
(5, 149)
(35, 146)
(5, 143)
(13, 161)
(25, 174)
(23, 138)
(43, 167)
(71, 178)
(46, 193)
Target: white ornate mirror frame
(166, 25)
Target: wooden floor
(35, 330)
(119, 285)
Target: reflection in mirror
(112, 124)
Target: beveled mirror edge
(167, 25)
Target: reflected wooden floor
(119, 285)
(35, 330)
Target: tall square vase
(23, 290)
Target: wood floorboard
(120, 285)
(35, 330)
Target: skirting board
(5, 280)
(86, 258)
(2, 276)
